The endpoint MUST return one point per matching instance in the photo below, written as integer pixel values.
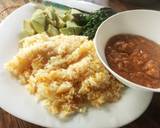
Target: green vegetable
(60, 22)
(92, 21)
(52, 31)
(55, 21)
(38, 21)
(71, 24)
(81, 19)
(27, 29)
(95, 20)
(68, 16)
(71, 31)
(50, 13)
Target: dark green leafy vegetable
(91, 22)
(81, 19)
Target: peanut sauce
(135, 58)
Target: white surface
(100, 2)
(16, 100)
(140, 22)
(79, 4)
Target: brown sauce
(135, 58)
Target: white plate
(16, 100)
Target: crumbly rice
(64, 73)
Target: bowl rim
(131, 84)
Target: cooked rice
(64, 73)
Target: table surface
(150, 119)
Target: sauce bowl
(138, 22)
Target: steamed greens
(92, 21)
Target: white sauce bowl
(145, 23)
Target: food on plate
(55, 21)
(92, 21)
(136, 58)
(64, 73)
(28, 41)
(52, 21)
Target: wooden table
(150, 119)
